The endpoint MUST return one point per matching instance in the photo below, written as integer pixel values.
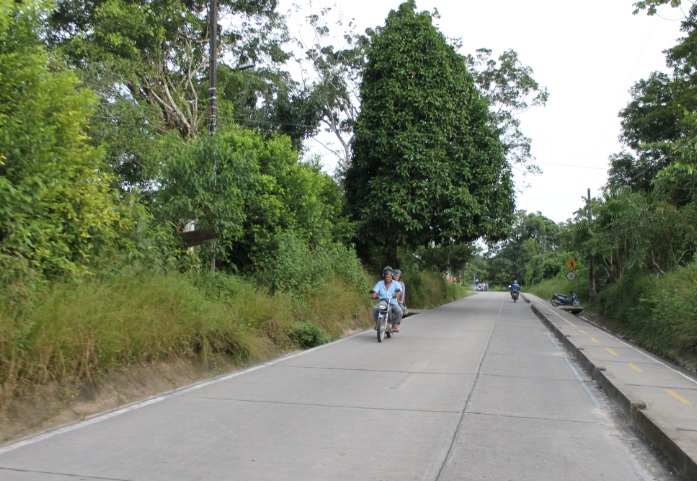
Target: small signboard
(571, 275)
(571, 264)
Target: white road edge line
(154, 400)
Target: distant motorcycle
(560, 299)
(515, 295)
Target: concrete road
(475, 390)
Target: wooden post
(591, 267)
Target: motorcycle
(515, 295)
(560, 299)
(385, 320)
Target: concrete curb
(667, 439)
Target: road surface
(478, 389)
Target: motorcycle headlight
(383, 305)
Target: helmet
(387, 270)
(397, 272)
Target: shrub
(307, 335)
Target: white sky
(588, 54)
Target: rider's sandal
(395, 327)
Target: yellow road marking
(560, 317)
(636, 368)
(594, 340)
(678, 396)
(583, 332)
(611, 351)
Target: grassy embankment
(658, 313)
(83, 334)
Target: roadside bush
(297, 268)
(430, 289)
(307, 335)
(671, 327)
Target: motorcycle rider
(388, 288)
(403, 297)
(514, 288)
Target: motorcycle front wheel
(554, 302)
(577, 303)
(381, 329)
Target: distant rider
(403, 297)
(388, 289)
(514, 288)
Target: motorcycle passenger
(514, 288)
(387, 289)
(403, 298)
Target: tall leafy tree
(334, 74)
(428, 167)
(650, 124)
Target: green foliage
(510, 89)
(297, 268)
(307, 335)
(158, 50)
(634, 232)
(651, 5)
(672, 326)
(57, 208)
(427, 165)
(650, 123)
(430, 289)
(207, 180)
(531, 254)
(286, 196)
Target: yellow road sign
(571, 264)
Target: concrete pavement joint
(68, 475)
(328, 406)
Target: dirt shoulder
(47, 407)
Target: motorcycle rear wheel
(554, 302)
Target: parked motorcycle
(560, 299)
(385, 320)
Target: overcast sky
(588, 54)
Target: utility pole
(213, 69)
(213, 85)
(591, 267)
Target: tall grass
(430, 289)
(658, 313)
(83, 331)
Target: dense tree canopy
(156, 53)
(428, 166)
